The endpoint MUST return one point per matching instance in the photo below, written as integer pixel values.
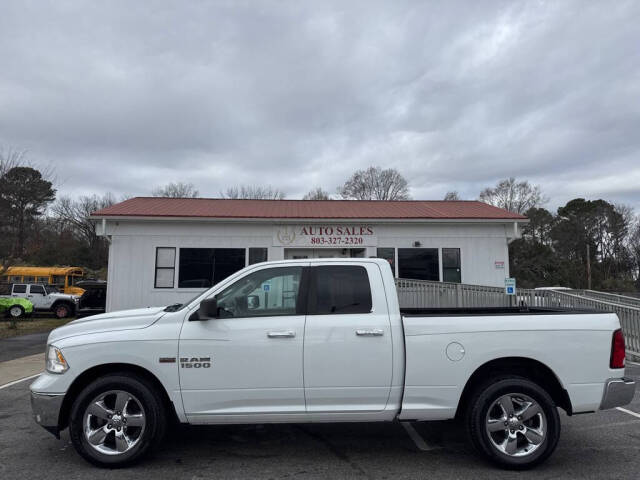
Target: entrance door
(253, 350)
(347, 341)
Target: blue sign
(510, 286)
(266, 287)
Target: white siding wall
(132, 252)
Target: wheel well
(86, 377)
(58, 302)
(528, 368)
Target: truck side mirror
(208, 309)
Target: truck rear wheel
(513, 422)
(116, 420)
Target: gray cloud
(124, 96)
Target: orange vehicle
(64, 278)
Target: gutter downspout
(104, 231)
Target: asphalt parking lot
(605, 445)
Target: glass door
(451, 271)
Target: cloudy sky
(124, 96)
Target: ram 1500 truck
(326, 341)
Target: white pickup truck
(326, 341)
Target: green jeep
(15, 307)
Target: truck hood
(108, 322)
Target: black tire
(152, 408)
(485, 399)
(62, 310)
(11, 312)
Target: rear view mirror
(208, 309)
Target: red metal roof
(320, 209)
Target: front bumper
(46, 410)
(617, 392)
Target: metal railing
(429, 294)
(613, 298)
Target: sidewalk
(21, 367)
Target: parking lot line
(18, 381)
(628, 411)
(417, 439)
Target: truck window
(19, 289)
(268, 292)
(340, 289)
(37, 289)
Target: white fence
(426, 294)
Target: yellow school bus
(64, 278)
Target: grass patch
(30, 325)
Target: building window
(204, 267)
(267, 292)
(418, 263)
(165, 267)
(451, 271)
(340, 290)
(389, 254)
(257, 255)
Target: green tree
(24, 195)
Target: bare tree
(176, 190)
(317, 194)
(517, 197)
(254, 192)
(451, 196)
(10, 158)
(374, 183)
(75, 215)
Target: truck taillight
(617, 350)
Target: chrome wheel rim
(516, 425)
(114, 422)
(15, 311)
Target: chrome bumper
(617, 392)
(46, 410)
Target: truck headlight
(56, 362)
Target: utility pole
(588, 266)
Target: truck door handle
(283, 334)
(373, 332)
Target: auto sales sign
(343, 236)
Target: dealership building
(165, 250)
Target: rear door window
(37, 289)
(339, 289)
(19, 289)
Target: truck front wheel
(116, 419)
(513, 422)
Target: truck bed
(470, 311)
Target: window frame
(194, 288)
(312, 296)
(248, 258)
(438, 262)
(37, 286)
(155, 272)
